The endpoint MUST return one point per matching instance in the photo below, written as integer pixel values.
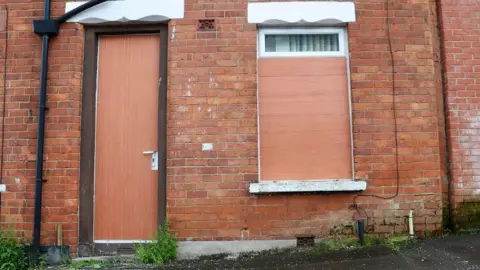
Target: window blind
(302, 43)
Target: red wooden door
(126, 187)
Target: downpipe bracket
(41, 180)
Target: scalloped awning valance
(129, 10)
(325, 13)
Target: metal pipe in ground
(361, 231)
(411, 231)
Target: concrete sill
(295, 186)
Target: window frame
(302, 31)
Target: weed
(41, 263)
(397, 242)
(447, 232)
(161, 250)
(13, 255)
(336, 244)
(468, 231)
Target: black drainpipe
(41, 132)
(46, 28)
(450, 222)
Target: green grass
(92, 264)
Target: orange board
(304, 119)
(126, 187)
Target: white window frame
(303, 31)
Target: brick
(212, 98)
(461, 90)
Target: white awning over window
(321, 12)
(129, 10)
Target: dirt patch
(286, 258)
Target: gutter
(46, 28)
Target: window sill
(294, 186)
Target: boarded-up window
(304, 111)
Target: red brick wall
(461, 47)
(416, 103)
(212, 98)
(62, 129)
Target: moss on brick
(468, 215)
(446, 221)
(395, 243)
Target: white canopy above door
(129, 10)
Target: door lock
(153, 160)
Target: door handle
(153, 159)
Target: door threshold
(121, 241)
(110, 248)
(103, 258)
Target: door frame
(86, 245)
